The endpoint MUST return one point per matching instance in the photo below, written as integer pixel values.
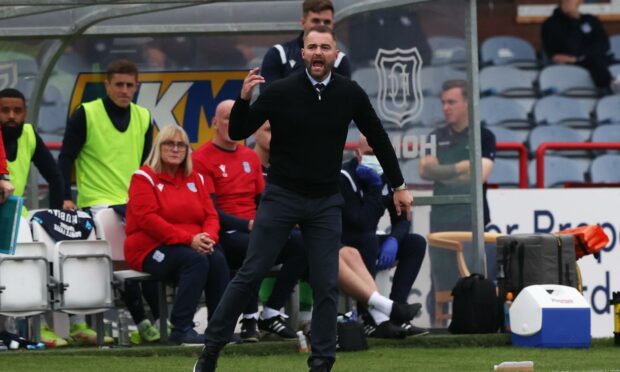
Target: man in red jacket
(6, 188)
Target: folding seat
(368, 79)
(505, 112)
(568, 80)
(505, 172)
(605, 168)
(608, 110)
(559, 169)
(412, 175)
(614, 46)
(432, 113)
(448, 50)
(82, 275)
(565, 111)
(508, 50)
(433, 77)
(509, 135)
(507, 81)
(546, 133)
(606, 133)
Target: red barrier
(540, 154)
(500, 146)
(53, 145)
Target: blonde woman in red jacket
(172, 231)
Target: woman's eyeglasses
(172, 144)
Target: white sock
(381, 303)
(250, 316)
(378, 316)
(269, 313)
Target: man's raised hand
(250, 82)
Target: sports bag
(475, 307)
(528, 259)
(589, 239)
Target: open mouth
(318, 64)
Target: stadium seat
(367, 78)
(553, 110)
(448, 50)
(508, 50)
(412, 175)
(509, 135)
(568, 80)
(500, 111)
(605, 168)
(607, 133)
(505, 172)
(432, 78)
(608, 110)
(545, 133)
(615, 70)
(432, 113)
(507, 81)
(559, 169)
(82, 273)
(614, 46)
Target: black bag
(351, 336)
(528, 259)
(475, 307)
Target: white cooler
(550, 316)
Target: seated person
(172, 231)
(571, 37)
(234, 175)
(366, 197)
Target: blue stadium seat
(614, 46)
(500, 111)
(546, 133)
(508, 50)
(559, 169)
(608, 110)
(605, 168)
(507, 81)
(432, 113)
(432, 77)
(508, 135)
(606, 133)
(568, 80)
(367, 78)
(447, 50)
(505, 172)
(615, 69)
(553, 110)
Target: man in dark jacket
(574, 38)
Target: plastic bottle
(515, 366)
(507, 305)
(123, 328)
(615, 303)
(302, 342)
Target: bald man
(234, 176)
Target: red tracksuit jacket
(164, 211)
(3, 168)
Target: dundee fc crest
(8, 75)
(400, 92)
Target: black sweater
(308, 134)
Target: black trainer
(403, 313)
(413, 330)
(249, 330)
(386, 329)
(186, 338)
(207, 361)
(277, 325)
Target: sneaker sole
(418, 334)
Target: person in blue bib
(24, 146)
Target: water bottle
(507, 305)
(302, 342)
(123, 328)
(515, 366)
(615, 302)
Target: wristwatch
(5, 177)
(401, 187)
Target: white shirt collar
(314, 82)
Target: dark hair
(322, 29)
(456, 83)
(122, 66)
(12, 93)
(317, 6)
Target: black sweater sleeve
(72, 143)
(148, 143)
(369, 124)
(246, 119)
(228, 221)
(45, 163)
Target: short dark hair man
(24, 146)
(309, 113)
(281, 60)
